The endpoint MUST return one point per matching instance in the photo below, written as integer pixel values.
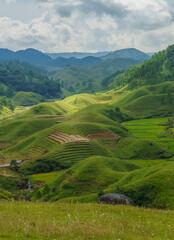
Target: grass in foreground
(83, 222)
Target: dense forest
(15, 77)
(6, 102)
(160, 68)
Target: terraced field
(4, 145)
(72, 153)
(104, 135)
(153, 128)
(108, 138)
(65, 138)
(34, 152)
(45, 177)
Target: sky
(86, 25)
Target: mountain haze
(79, 55)
(36, 57)
(132, 53)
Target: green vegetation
(5, 102)
(76, 79)
(45, 177)
(81, 147)
(149, 101)
(154, 71)
(27, 98)
(5, 195)
(48, 221)
(100, 172)
(15, 77)
(149, 186)
(154, 129)
(48, 109)
(93, 166)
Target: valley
(64, 153)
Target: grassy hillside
(150, 186)
(27, 98)
(7, 113)
(30, 137)
(48, 109)
(154, 129)
(100, 172)
(149, 101)
(48, 221)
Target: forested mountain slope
(16, 77)
(90, 79)
(160, 68)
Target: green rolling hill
(116, 141)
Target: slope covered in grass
(48, 221)
(130, 148)
(150, 186)
(52, 108)
(154, 129)
(88, 176)
(29, 135)
(27, 98)
(63, 157)
(149, 101)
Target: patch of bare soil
(65, 138)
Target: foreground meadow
(21, 220)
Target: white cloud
(7, 1)
(93, 25)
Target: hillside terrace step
(60, 155)
(65, 138)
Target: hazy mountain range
(76, 54)
(62, 60)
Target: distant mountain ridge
(38, 58)
(132, 53)
(29, 55)
(79, 55)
